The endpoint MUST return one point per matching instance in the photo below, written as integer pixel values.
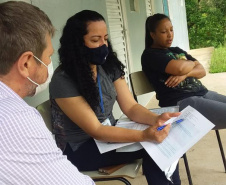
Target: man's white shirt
(28, 153)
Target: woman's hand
(161, 119)
(173, 81)
(152, 134)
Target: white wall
(135, 21)
(177, 12)
(157, 6)
(136, 31)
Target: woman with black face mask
(83, 90)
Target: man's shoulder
(12, 105)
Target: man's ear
(24, 62)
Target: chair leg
(221, 148)
(187, 169)
(122, 179)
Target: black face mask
(98, 55)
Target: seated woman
(83, 91)
(174, 73)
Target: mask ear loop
(33, 81)
(40, 61)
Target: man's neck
(15, 85)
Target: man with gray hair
(28, 153)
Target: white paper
(130, 148)
(165, 109)
(125, 122)
(181, 137)
(170, 170)
(108, 146)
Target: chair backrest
(44, 110)
(140, 84)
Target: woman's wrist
(154, 119)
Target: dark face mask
(98, 55)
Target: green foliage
(206, 23)
(218, 60)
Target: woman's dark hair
(151, 25)
(75, 60)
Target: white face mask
(42, 87)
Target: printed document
(181, 137)
(125, 122)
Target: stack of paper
(181, 137)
